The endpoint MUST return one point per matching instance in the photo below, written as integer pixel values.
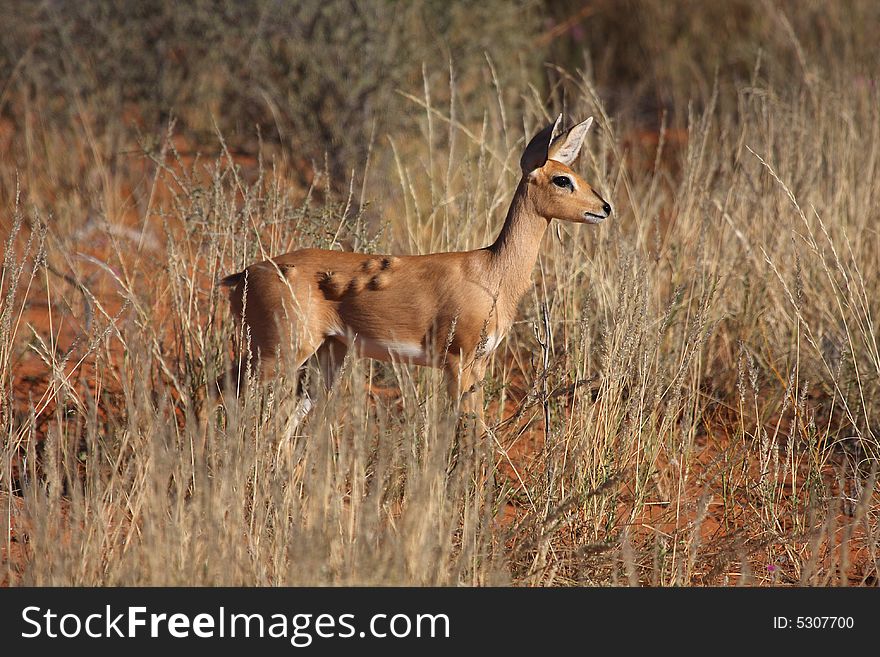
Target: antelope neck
(515, 251)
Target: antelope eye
(564, 182)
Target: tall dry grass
(689, 396)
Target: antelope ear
(567, 146)
(537, 152)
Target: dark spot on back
(379, 281)
(331, 285)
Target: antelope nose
(606, 208)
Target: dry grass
(690, 396)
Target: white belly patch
(407, 352)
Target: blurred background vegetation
(322, 78)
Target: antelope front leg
(465, 385)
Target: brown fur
(444, 303)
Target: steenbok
(448, 310)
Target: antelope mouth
(593, 218)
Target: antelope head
(553, 188)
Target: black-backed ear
(538, 150)
(567, 146)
